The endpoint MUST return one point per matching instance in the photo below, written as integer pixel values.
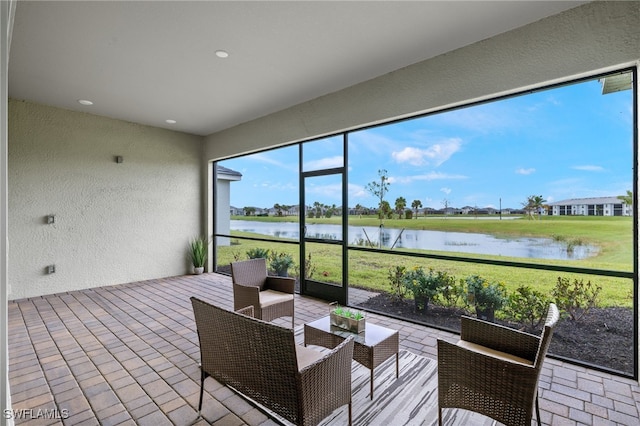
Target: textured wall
(582, 40)
(114, 223)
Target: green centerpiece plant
(345, 318)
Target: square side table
(372, 347)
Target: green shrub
(280, 262)
(398, 290)
(527, 307)
(309, 268)
(423, 285)
(485, 295)
(577, 298)
(450, 290)
(257, 253)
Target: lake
(533, 248)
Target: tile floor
(128, 355)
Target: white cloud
(266, 159)
(434, 155)
(588, 168)
(324, 163)
(528, 171)
(446, 190)
(370, 142)
(357, 191)
(431, 176)
(331, 192)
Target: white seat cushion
(493, 353)
(306, 356)
(269, 297)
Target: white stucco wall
(7, 11)
(594, 37)
(114, 223)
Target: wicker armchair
(493, 370)
(271, 297)
(262, 361)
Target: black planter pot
(421, 303)
(486, 314)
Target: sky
(561, 143)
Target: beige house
(128, 180)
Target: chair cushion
(306, 356)
(493, 353)
(270, 297)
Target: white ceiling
(150, 61)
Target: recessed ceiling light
(84, 102)
(222, 54)
(170, 121)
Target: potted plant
(424, 286)
(486, 297)
(280, 263)
(198, 254)
(345, 318)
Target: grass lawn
(613, 235)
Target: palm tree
(317, 206)
(627, 199)
(534, 203)
(385, 211)
(538, 204)
(528, 207)
(401, 203)
(415, 205)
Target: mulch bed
(603, 337)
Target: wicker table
(372, 347)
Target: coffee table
(372, 347)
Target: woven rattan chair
(261, 361)
(493, 370)
(271, 297)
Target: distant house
(451, 210)
(224, 178)
(517, 211)
(601, 206)
(477, 210)
(468, 210)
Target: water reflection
(534, 248)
